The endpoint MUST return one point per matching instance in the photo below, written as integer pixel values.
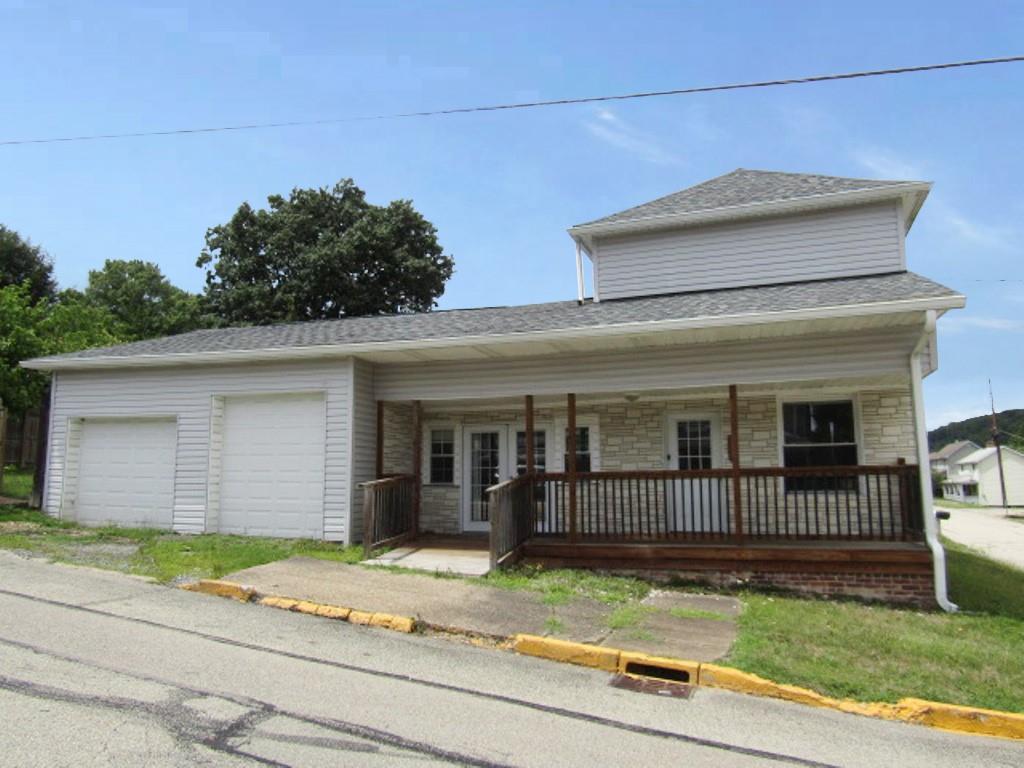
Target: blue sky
(503, 187)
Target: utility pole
(999, 450)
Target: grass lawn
(851, 649)
(164, 556)
(876, 653)
(17, 483)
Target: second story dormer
(750, 228)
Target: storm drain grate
(661, 673)
(652, 685)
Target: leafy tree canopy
(321, 254)
(22, 262)
(142, 300)
(32, 329)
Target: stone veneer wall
(631, 436)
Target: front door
(697, 504)
(487, 463)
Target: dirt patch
(109, 555)
(18, 526)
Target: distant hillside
(978, 429)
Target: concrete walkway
(440, 556)
(669, 623)
(987, 530)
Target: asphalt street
(100, 669)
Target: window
(693, 443)
(442, 456)
(539, 451)
(819, 435)
(582, 449)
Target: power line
(526, 104)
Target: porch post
(530, 457)
(417, 463)
(570, 469)
(379, 471)
(734, 458)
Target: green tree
(33, 329)
(21, 262)
(320, 254)
(142, 300)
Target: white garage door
(126, 472)
(272, 466)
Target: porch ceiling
(831, 387)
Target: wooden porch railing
(869, 503)
(388, 517)
(513, 510)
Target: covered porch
(699, 482)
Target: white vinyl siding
(364, 440)
(188, 394)
(861, 240)
(797, 358)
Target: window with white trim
(442, 456)
(819, 434)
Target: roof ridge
(752, 187)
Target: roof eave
(912, 195)
(940, 303)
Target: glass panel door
(486, 464)
(697, 503)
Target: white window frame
(671, 449)
(831, 397)
(591, 422)
(428, 428)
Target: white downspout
(931, 526)
(579, 272)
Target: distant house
(974, 479)
(739, 399)
(948, 455)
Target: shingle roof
(562, 315)
(948, 450)
(743, 187)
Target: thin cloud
(884, 164)
(613, 130)
(971, 230)
(957, 324)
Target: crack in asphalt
(546, 708)
(190, 728)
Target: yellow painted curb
(714, 676)
(222, 589)
(360, 617)
(950, 717)
(230, 589)
(572, 653)
(382, 620)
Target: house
(948, 455)
(740, 398)
(974, 478)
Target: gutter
(933, 303)
(931, 526)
